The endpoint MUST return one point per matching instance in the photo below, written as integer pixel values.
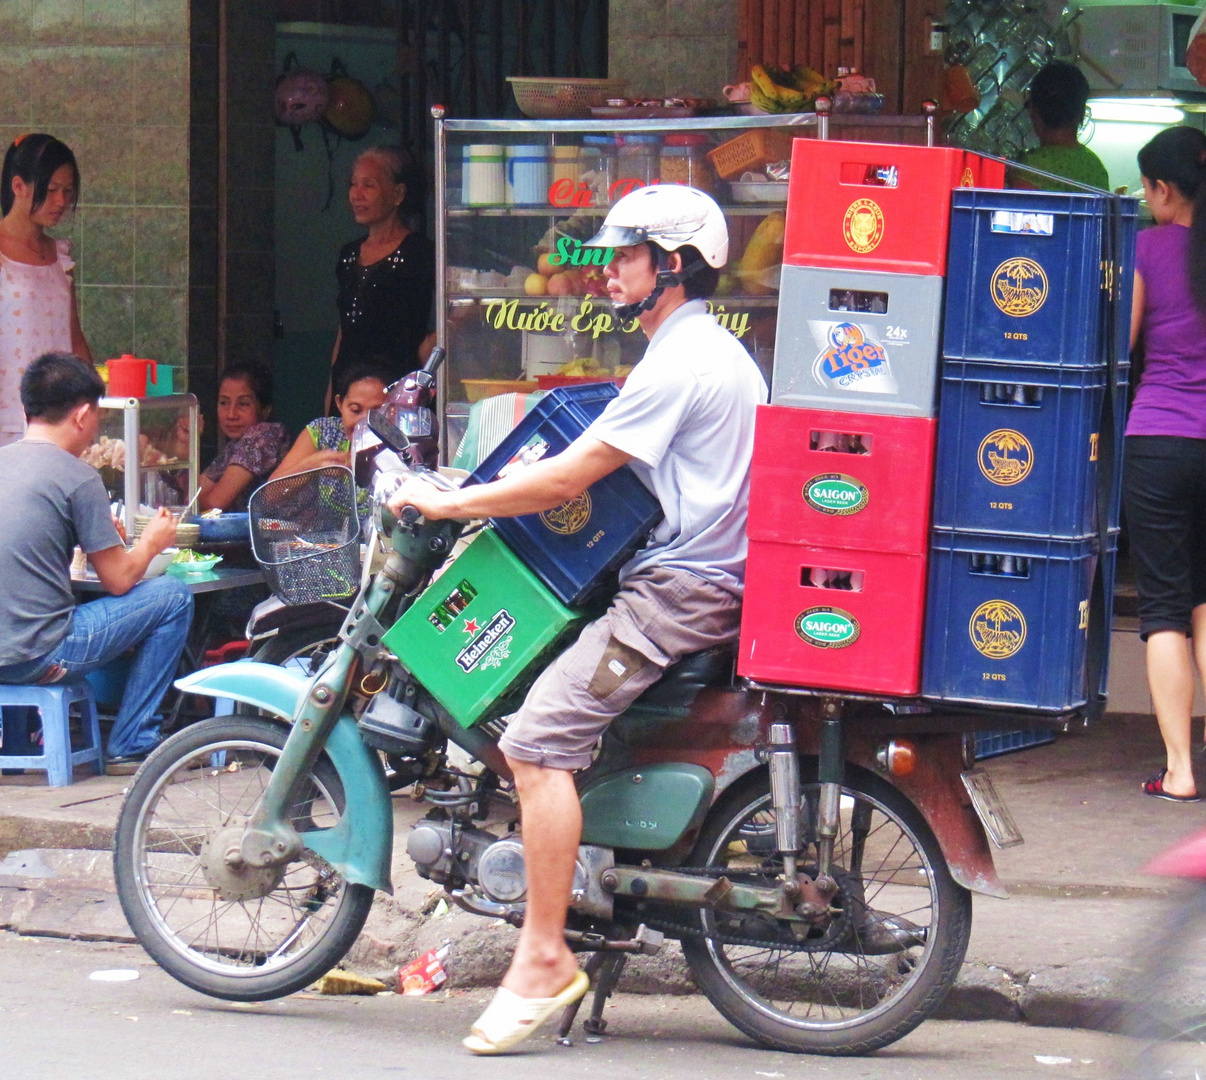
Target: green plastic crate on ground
(473, 632)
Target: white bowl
(161, 562)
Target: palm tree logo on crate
(997, 629)
(995, 461)
(1019, 287)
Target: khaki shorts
(659, 616)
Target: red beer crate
(876, 206)
(838, 479)
(858, 630)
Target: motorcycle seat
(684, 679)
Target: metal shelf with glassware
(166, 431)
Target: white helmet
(671, 216)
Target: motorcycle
(814, 854)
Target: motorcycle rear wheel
(830, 993)
(192, 792)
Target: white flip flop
(509, 1018)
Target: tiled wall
(111, 79)
(673, 47)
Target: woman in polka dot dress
(38, 311)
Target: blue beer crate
(1122, 387)
(1017, 449)
(1109, 571)
(574, 547)
(1007, 621)
(1025, 277)
(995, 743)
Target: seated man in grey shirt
(51, 502)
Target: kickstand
(604, 971)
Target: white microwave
(1135, 48)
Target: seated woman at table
(359, 387)
(255, 446)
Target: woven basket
(751, 151)
(562, 99)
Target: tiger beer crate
(872, 492)
(1029, 278)
(478, 629)
(863, 640)
(576, 547)
(1018, 449)
(855, 341)
(1016, 638)
(875, 206)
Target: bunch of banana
(778, 90)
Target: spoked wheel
(308, 647)
(232, 932)
(1166, 1010)
(865, 976)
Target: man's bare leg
(552, 827)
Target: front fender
(361, 846)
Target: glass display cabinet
(166, 432)
(523, 307)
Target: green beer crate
(474, 631)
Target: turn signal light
(897, 758)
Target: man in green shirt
(1059, 94)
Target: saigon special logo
(996, 462)
(997, 629)
(1019, 287)
(570, 517)
(827, 627)
(836, 494)
(863, 225)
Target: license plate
(994, 815)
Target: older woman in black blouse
(387, 278)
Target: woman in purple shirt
(1164, 478)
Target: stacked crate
(1036, 327)
(843, 456)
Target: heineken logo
(836, 493)
(480, 645)
(827, 627)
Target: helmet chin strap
(666, 279)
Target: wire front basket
(305, 535)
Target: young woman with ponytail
(1164, 478)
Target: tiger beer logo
(1006, 457)
(850, 354)
(997, 629)
(968, 179)
(863, 226)
(1019, 287)
(835, 493)
(827, 627)
(569, 517)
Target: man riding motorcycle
(684, 421)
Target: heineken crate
(856, 341)
(574, 548)
(478, 628)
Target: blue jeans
(153, 617)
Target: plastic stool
(54, 703)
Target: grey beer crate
(857, 341)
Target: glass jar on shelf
(597, 165)
(639, 159)
(685, 161)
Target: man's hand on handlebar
(429, 500)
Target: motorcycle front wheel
(873, 971)
(243, 935)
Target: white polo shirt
(686, 416)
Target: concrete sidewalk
(1052, 954)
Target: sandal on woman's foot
(1155, 788)
(509, 1018)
